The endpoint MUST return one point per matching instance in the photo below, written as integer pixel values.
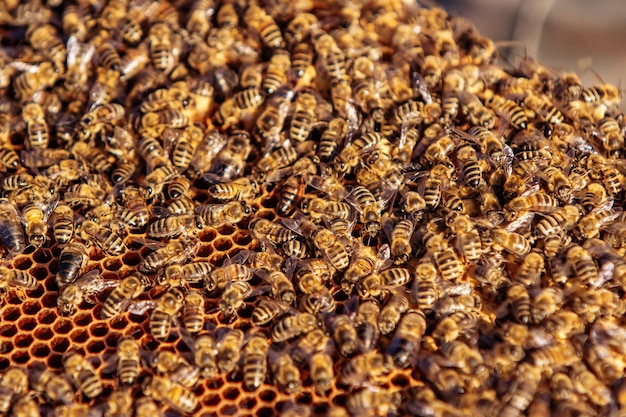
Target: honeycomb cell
(22, 341)
(39, 272)
(79, 336)
(11, 314)
(208, 234)
(98, 329)
(267, 396)
(231, 393)
(56, 361)
(49, 300)
(43, 332)
(228, 410)
(118, 322)
(112, 264)
(27, 324)
(31, 308)
(8, 330)
(39, 350)
(82, 319)
(242, 238)
(131, 259)
(20, 357)
(222, 245)
(95, 347)
(23, 263)
(42, 256)
(59, 344)
(265, 412)
(62, 326)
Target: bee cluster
(301, 208)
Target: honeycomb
(433, 232)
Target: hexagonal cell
(43, 333)
(11, 314)
(60, 344)
(222, 244)
(27, 324)
(98, 329)
(39, 350)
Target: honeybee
(176, 368)
(363, 368)
(37, 127)
(519, 300)
(349, 156)
(166, 310)
(406, 340)
(84, 288)
(161, 45)
(233, 297)
(530, 270)
(136, 213)
(54, 387)
(509, 110)
(583, 265)
(282, 288)
(301, 62)
(193, 312)
(255, 361)
(93, 121)
(169, 227)
(331, 138)
(589, 226)
(154, 182)
(460, 355)
(205, 351)
(215, 215)
(286, 374)
(292, 326)
(445, 258)
(265, 230)
(400, 236)
(267, 310)
(104, 237)
(605, 94)
(373, 401)
(229, 350)
(277, 71)
(119, 403)
(539, 202)
(83, 374)
(265, 25)
(435, 184)
(222, 276)
(33, 79)
(119, 299)
(239, 189)
(322, 373)
(172, 252)
(72, 260)
(11, 231)
(391, 313)
(512, 242)
(366, 324)
(13, 384)
(163, 389)
(128, 360)
(344, 334)
(425, 291)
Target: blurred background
(568, 35)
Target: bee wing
(421, 88)
(278, 175)
(140, 307)
(258, 290)
(23, 66)
(170, 139)
(148, 243)
(605, 274)
(521, 222)
(160, 212)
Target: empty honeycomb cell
(43, 332)
(79, 336)
(11, 313)
(208, 234)
(226, 230)
(265, 412)
(204, 251)
(268, 203)
(39, 272)
(51, 286)
(212, 399)
(131, 259)
(62, 326)
(118, 322)
(95, 347)
(231, 393)
(228, 410)
(39, 350)
(248, 402)
(42, 256)
(4, 363)
(60, 344)
(31, 308)
(267, 396)
(27, 324)
(8, 330)
(222, 244)
(82, 319)
(98, 329)
(112, 339)
(400, 381)
(97, 255)
(20, 357)
(47, 316)
(242, 238)
(266, 214)
(36, 293)
(23, 263)
(55, 361)
(112, 264)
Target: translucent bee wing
(141, 307)
(521, 222)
